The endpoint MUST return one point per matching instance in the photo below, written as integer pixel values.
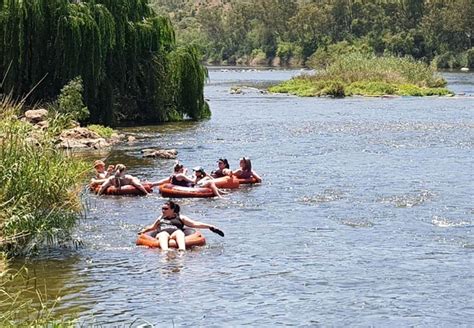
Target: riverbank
(362, 75)
(40, 182)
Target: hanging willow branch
(125, 54)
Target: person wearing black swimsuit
(171, 223)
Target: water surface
(365, 217)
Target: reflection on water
(364, 217)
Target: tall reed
(39, 185)
(357, 67)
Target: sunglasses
(165, 208)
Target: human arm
(183, 177)
(237, 173)
(160, 182)
(256, 176)
(195, 224)
(105, 185)
(110, 171)
(152, 227)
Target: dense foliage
(131, 68)
(291, 31)
(39, 184)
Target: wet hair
(200, 169)
(226, 163)
(177, 167)
(120, 168)
(175, 207)
(247, 164)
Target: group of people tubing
(170, 224)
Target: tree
(120, 48)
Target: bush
(70, 100)
(287, 50)
(258, 57)
(39, 184)
(325, 56)
(333, 89)
(470, 58)
(103, 131)
(371, 88)
(448, 60)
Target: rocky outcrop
(35, 116)
(160, 153)
(81, 138)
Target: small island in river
(367, 75)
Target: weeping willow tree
(127, 57)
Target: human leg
(212, 185)
(137, 184)
(178, 235)
(163, 237)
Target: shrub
(39, 184)
(70, 100)
(103, 131)
(371, 88)
(333, 89)
(448, 60)
(325, 56)
(287, 50)
(470, 58)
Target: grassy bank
(364, 75)
(39, 185)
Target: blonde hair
(120, 168)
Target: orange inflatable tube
(226, 182)
(195, 239)
(250, 180)
(173, 191)
(125, 190)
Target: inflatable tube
(191, 240)
(226, 182)
(250, 180)
(125, 190)
(173, 191)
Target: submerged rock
(160, 153)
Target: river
(364, 218)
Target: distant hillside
(292, 32)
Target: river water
(365, 217)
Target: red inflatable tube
(125, 190)
(250, 180)
(173, 191)
(226, 182)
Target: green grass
(365, 75)
(103, 131)
(39, 186)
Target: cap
(198, 168)
(98, 163)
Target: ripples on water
(364, 218)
